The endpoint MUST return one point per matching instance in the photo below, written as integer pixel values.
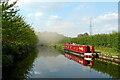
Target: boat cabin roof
(75, 44)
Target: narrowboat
(86, 50)
(79, 60)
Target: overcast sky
(70, 18)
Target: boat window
(77, 48)
(68, 46)
(74, 47)
(71, 47)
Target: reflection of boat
(87, 51)
(80, 59)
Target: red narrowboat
(86, 50)
(80, 60)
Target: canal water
(52, 63)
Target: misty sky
(70, 18)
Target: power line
(90, 26)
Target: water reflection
(80, 59)
(46, 51)
(23, 67)
(102, 66)
(50, 63)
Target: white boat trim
(87, 53)
(88, 59)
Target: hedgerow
(107, 40)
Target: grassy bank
(106, 51)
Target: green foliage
(106, 40)
(106, 51)
(81, 35)
(17, 35)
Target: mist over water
(46, 38)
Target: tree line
(107, 40)
(18, 38)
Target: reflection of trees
(108, 68)
(22, 68)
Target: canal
(52, 63)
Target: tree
(81, 35)
(85, 34)
(17, 35)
